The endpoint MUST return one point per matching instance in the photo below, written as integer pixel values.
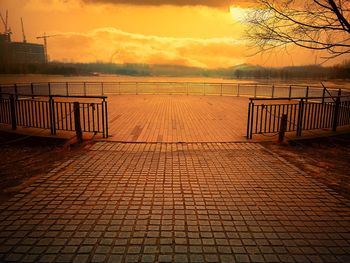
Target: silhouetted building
(20, 52)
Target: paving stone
(175, 202)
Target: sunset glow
(157, 32)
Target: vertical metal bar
(283, 127)
(93, 116)
(84, 88)
(98, 116)
(36, 113)
(300, 117)
(278, 116)
(336, 113)
(13, 112)
(62, 116)
(106, 121)
(89, 123)
(102, 89)
(220, 89)
(77, 123)
(290, 92)
(273, 91)
(323, 94)
(16, 91)
(49, 85)
(70, 117)
(66, 114)
(51, 114)
(255, 87)
(274, 117)
(265, 118)
(32, 90)
(251, 121)
(248, 122)
(27, 112)
(84, 122)
(270, 119)
(307, 94)
(238, 90)
(67, 89)
(40, 111)
(103, 119)
(261, 116)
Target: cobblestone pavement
(177, 118)
(217, 202)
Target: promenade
(177, 118)
(182, 187)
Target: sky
(200, 33)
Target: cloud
(210, 3)
(113, 45)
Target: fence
(194, 88)
(55, 113)
(265, 115)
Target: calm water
(9, 79)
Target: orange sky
(144, 31)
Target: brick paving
(175, 202)
(177, 118)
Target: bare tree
(312, 24)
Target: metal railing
(256, 90)
(265, 115)
(55, 112)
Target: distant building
(20, 52)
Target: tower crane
(24, 35)
(5, 22)
(45, 37)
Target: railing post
(248, 122)
(255, 91)
(251, 120)
(238, 91)
(307, 94)
(52, 116)
(67, 89)
(283, 128)
(77, 124)
(13, 112)
(323, 94)
(32, 90)
(221, 89)
(300, 117)
(273, 91)
(136, 87)
(290, 92)
(84, 88)
(16, 91)
(336, 114)
(106, 119)
(102, 89)
(49, 84)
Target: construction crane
(45, 37)
(5, 22)
(24, 35)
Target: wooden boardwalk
(177, 118)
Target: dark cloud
(210, 3)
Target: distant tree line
(340, 71)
